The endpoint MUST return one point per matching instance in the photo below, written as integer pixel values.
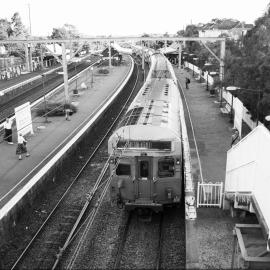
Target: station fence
(17, 69)
(209, 194)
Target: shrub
(103, 71)
(56, 109)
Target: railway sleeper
(57, 234)
(70, 217)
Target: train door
(144, 177)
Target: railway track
(141, 243)
(36, 90)
(74, 209)
(155, 244)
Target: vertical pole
(29, 15)
(70, 50)
(30, 57)
(143, 62)
(143, 59)
(64, 59)
(179, 55)
(232, 109)
(221, 96)
(92, 76)
(41, 58)
(257, 108)
(221, 65)
(207, 85)
(26, 57)
(184, 44)
(110, 55)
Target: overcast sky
(126, 17)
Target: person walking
(187, 82)
(8, 131)
(21, 147)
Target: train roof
(154, 114)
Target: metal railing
(209, 194)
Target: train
(145, 149)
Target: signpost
(24, 119)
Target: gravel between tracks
(29, 223)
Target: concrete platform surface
(48, 136)
(212, 131)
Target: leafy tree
(5, 29)
(66, 32)
(18, 30)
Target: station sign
(24, 119)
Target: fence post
(198, 190)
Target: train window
(123, 169)
(166, 167)
(144, 168)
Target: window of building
(166, 167)
(144, 168)
(123, 169)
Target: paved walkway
(45, 140)
(213, 132)
(212, 129)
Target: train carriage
(146, 163)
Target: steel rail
(76, 252)
(68, 189)
(122, 242)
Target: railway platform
(212, 232)
(4, 84)
(51, 139)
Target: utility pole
(26, 57)
(179, 55)
(29, 15)
(110, 55)
(222, 57)
(67, 101)
(30, 32)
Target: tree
(5, 29)
(18, 30)
(66, 32)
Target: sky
(126, 17)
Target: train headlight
(169, 193)
(120, 183)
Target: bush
(56, 109)
(103, 71)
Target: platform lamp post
(194, 62)
(45, 101)
(92, 76)
(207, 82)
(232, 89)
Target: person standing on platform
(21, 148)
(187, 82)
(8, 131)
(235, 137)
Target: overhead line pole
(67, 100)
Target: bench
(226, 109)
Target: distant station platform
(49, 139)
(4, 84)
